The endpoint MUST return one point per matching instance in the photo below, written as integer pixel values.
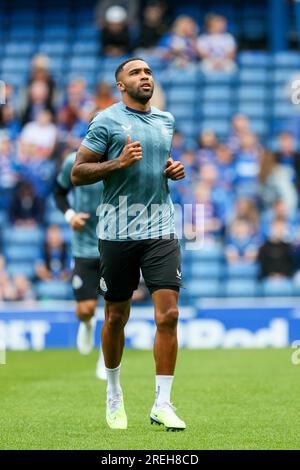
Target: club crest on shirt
(77, 282)
(103, 285)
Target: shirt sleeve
(64, 175)
(97, 137)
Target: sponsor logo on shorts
(77, 282)
(103, 285)
(178, 274)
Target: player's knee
(116, 320)
(85, 310)
(167, 319)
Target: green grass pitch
(230, 399)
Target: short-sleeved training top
(136, 202)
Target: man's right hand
(78, 220)
(131, 153)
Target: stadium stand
(257, 89)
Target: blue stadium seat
(56, 31)
(54, 290)
(247, 75)
(21, 253)
(218, 78)
(25, 269)
(188, 77)
(19, 48)
(279, 92)
(254, 59)
(242, 288)
(57, 64)
(187, 127)
(213, 252)
(283, 108)
(220, 126)
(221, 93)
(181, 111)
(252, 92)
(17, 65)
(88, 46)
(282, 75)
(89, 77)
(216, 109)
(86, 32)
(22, 32)
(22, 236)
(106, 77)
(54, 48)
(286, 59)
(204, 288)
(185, 95)
(86, 63)
(242, 270)
(260, 126)
(254, 109)
(208, 270)
(15, 79)
(278, 288)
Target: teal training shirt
(86, 199)
(136, 202)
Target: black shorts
(121, 263)
(85, 278)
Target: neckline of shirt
(136, 111)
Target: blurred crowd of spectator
(180, 42)
(250, 194)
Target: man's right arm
(88, 167)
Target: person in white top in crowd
(217, 47)
(39, 136)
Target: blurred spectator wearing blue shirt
(225, 164)
(247, 165)
(288, 156)
(9, 122)
(54, 264)
(240, 125)
(241, 244)
(208, 143)
(9, 171)
(180, 45)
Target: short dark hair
(120, 67)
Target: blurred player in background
(128, 147)
(83, 221)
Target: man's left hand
(174, 170)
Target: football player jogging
(128, 146)
(83, 221)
